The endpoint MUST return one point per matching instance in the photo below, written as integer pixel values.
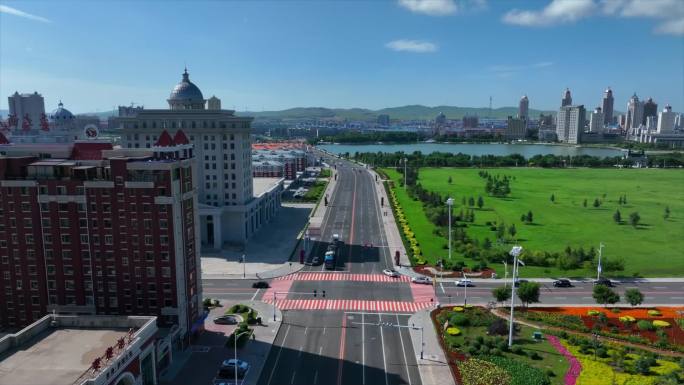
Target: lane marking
(351, 228)
(341, 359)
(293, 377)
(382, 341)
(280, 350)
(316, 375)
(255, 294)
(363, 349)
(408, 372)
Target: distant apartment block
(516, 128)
(570, 124)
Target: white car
(424, 280)
(390, 273)
(233, 364)
(464, 282)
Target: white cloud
(669, 13)
(557, 12)
(430, 7)
(405, 45)
(671, 27)
(16, 12)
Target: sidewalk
(392, 234)
(199, 363)
(256, 354)
(433, 368)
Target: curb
(258, 366)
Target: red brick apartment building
(88, 229)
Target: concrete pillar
(218, 234)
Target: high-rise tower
(523, 108)
(567, 98)
(607, 107)
(650, 109)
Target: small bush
(472, 350)
(550, 373)
(502, 346)
(498, 327)
(654, 313)
(645, 325)
(452, 331)
(535, 356)
(661, 324)
(593, 313)
(517, 350)
(615, 310)
(602, 352)
(459, 320)
(496, 352)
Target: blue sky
(264, 55)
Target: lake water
(526, 150)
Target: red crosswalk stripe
(349, 305)
(308, 276)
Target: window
(19, 284)
(165, 256)
(68, 270)
(45, 222)
(28, 222)
(148, 240)
(47, 238)
(29, 239)
(64, 222)
(84, 238)
(111, 287)
(164, 240)
(166, 272)
(108, 239)
(113, 302)
(149, 272)
(163, 224)
(50, 269)
(34, 284)
(65, 238)
(61, 190)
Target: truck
(332, 252)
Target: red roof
(164, 140)
(180, 138)
(89, 151)
(3, 139)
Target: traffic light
(323, 293)
(315, 293)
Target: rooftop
(56, 356)
(66, 349)
(262, 185)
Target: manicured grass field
(654, 248)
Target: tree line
(446, 159)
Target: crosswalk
(333, 276)
(349, 305)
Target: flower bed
(598, 371)
(480, 372)
(575, 367)
(628, 324)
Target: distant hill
(405, 113)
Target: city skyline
(393, 47)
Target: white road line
(293, 377)
(316, 375)
(586, 297)
(382, 341)
(659, 287)
(560, 297)
(280, 350)
(363, 350)
(378, 313)
(255, 294)
(442, 286)
(408, 372)
(323, 332)
(207, 284)
(676, 297)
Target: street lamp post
(465, 289)
(235, 338)
(244, 267)
(450, 204)
(598, 268)
(515, 252)
(505, 270)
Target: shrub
(602, 352)
(615, 310)
(452, 331)
(498, 327)
(472, 350)
(457, 308)
(503, 346)
(476, 371)
(661, 324)
(593, 313)
(535, 356)
(459, 320)
(517, 350)
(206, 302)
(627, 319)
(645, 325)
(654, 313)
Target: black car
(519, 281)
(562, 283)
(260, 285)
(603, 281)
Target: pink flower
(575, 367)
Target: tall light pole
(235, 338)
(515, 252)
(244, 267)
(450, 204)
(465, 289)
(505, 271)
(405, 161)
(598, 268)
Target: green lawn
(566, 222)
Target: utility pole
(598, 268)
(405, 161)
(450, 203)
(515, 252)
